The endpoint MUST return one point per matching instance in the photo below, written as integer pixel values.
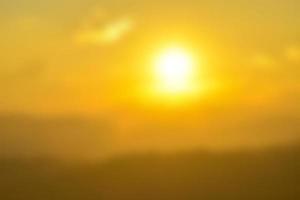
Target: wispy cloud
(99, 31)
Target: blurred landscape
(269, 174)
(63, 158)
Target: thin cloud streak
(107, 33)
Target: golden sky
(96, 58)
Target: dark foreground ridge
(263, 175)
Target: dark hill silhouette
(261, 175)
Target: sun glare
(175, 71)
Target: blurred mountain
(271, 174)
(70, 137)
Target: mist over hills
(78, 137)
(33, 166)
(24, 135)
(271, 174)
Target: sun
(175, 71)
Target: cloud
(105, 33)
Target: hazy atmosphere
(149, 87)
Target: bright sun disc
(175, 71)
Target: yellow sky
(96, 57)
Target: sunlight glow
(175, 71)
